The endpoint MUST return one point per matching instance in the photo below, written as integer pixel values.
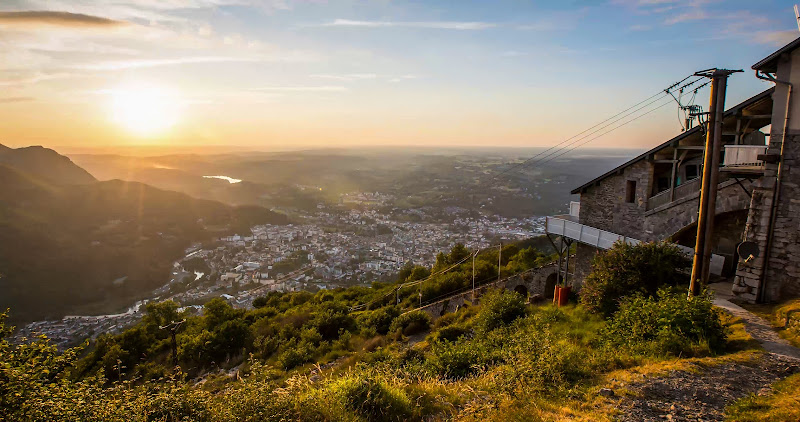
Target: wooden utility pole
(173, 329)
(499, 260)
(708, 191)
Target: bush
(667, 324)
(457, 360)
(411, 323)
(628, 269)
(450, 333)
(372, 397)
(379, 320)
(498, 308)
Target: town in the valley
(356, 242)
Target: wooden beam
(692, 147)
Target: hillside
(63, 246)
(45, 164)
(312, 357)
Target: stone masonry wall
(783, 271)
(603, 206)
(663, 222)
(783, 276)
(535, 282)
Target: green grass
(776, 315)
(781, 405)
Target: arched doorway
(522, 290)
(550, 285)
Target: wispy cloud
(136, 64)
(37, 17)
(350, 77)
(323, 88)
(403, 78)
(9, 100)
(775, 37)
(400, 24)
(35, 79)
(514, 53)
(693, 15)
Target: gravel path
(702, 392)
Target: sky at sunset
(272, 74)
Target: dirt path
(701, 392)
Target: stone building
(655, 196)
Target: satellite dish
(747, 250)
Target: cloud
(423, 24)
(40, 17)
(9, 100)
(35, 79)
(403, 78)
(136, 64)
(323, 88)
(775, 37)
(694, 15)
(346, 77)
(514, 53)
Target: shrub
(372, 397)
(627, 269)
(457, 359)
(498, 308)
(294, 355)
(379, 320)
(667, 324)
(411, 323)
(450, 333)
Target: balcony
(743, 155)
(564, 225)
(738, 161)
(685, 190)
(742, 160)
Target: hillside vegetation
(299, 356)
(62, 245)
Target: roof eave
(770, 63)
(752, 100)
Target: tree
(627, 269)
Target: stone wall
(603, 206)
(537, 283)
(783, 269)
(784, 263)
(664, 222)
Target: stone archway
(522, 290)
(550, 286)
(728, 229)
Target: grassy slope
(783, 403)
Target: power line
(413, 283)
(607, 132)
(605, 123)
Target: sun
(145, 110)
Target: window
(691, 172)
(630, 191)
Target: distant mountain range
(45, 163)
(66, 237)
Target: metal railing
(585, 234)
(743, 155)
(686, 189)
(602, 239)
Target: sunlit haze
(277, 74)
